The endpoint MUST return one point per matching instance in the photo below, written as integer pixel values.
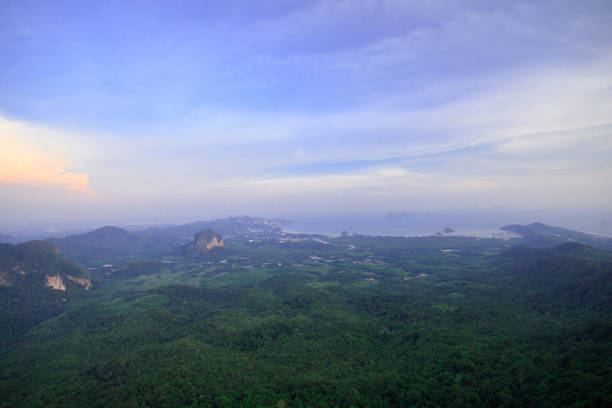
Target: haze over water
(419, 224)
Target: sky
(165, 110)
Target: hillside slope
(542, 235)
(35, 282)
(104, 244)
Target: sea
(477, 223)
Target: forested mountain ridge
(35, 282)
(34, 262)
(103, 243)
(541, 235)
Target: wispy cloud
(27, 158)
(341, 104)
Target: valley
(277, 319)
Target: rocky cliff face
(38, 264)
(35, 284)
(84, 282)
(205, 241)
(214, 243)
(56, 282)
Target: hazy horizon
(157, 112)
(402, 223)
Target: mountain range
(109, 242)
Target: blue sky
(150, 109)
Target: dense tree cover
(21, 308)
(527, 327)
(38, 258)
(24, 298)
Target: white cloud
(33, 155)
(476, 104)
